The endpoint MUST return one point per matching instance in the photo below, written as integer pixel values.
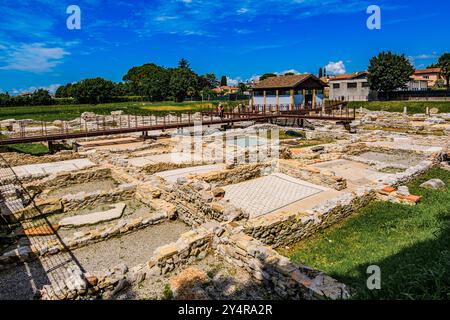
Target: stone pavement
(172, 175)
(174, 157)
(53, 167)
(268, 194)
(94, 218)
(356, 173)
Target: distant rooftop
(283, 81)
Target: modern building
(431, 75)
(351, 87)
(355, 87)
(292, 90)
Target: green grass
(35, 149)
(70, 112)
(411, 245)
(397, 106)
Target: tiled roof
(348, 76)
(429, 70)
(282, 81)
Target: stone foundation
(284, 228)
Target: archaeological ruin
(199, 212)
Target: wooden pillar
(292, 100)
(252, 100)
(265, 99)
(277, 98)
(304, 98)
(51, 147)
(314, 98)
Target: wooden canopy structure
(299, 89)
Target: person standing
(221, 111)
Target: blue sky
(241, 39)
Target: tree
(444, 64)
(96, 90)
(223, 81)
(211, 80)
(389, 72)
(324, 72)
(183, 63)
(242, 87)
(289, 74)
(5, 99)
(40, 97)
(266, 76)
(181, 82)
(150, 80)
(320, 72)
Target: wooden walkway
(130, 124)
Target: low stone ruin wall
(235, 175)
(191, 246)
(278, 274)
(67, 179)
(313, 175)
(79, 239)
(283, 228)
(198, 202)
(45, 206)
(21, 159)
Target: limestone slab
(94, 218)
(173, 175)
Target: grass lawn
(411, 245)
(397, 106)
(70, 112)
(35, 149)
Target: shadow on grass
(421, 271)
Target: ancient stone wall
(313, 175)
(21, 159)
(235, 175)
(284, 228)
(67, 179)
(190, 246)
(278, 274)
(198, 202)
(53, 205)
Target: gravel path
(131, 249)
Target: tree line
(149, 82)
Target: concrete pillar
(277, 98)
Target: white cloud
(35, 57)
(233, 82)
(242, 10)
(334, 68)
(50, 88)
